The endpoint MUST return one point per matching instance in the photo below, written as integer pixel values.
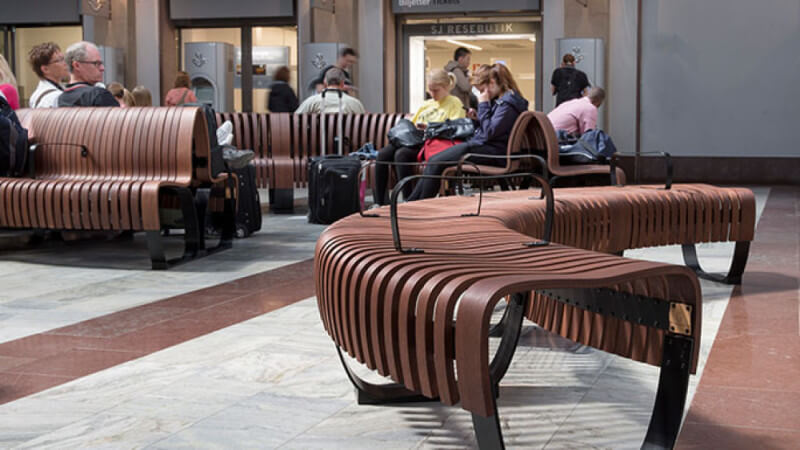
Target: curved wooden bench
(396, 312)
(284, 143)
(113, 169)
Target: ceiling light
(533, 38)
(464, 44)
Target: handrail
(394, 163)
(512, 156)
(547, 191)
(32, 154)
(667, 160)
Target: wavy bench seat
(422, 316)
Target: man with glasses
(86, 68)
(48, 63)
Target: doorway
(429, 47)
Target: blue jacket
(496, 118)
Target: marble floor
(96, 351)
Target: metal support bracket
(738, 263)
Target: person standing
(48, 63)
(459, 67)
(86, 68)
(567, 82)
(281, 95)
(181, 91)
(347, 58)
(8, 84)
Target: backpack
(13, 142)
(593, 146)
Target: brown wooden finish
(396, 312)
(284, 142)
(132, 155)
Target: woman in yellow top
(440, 107)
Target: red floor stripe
(749, 395)
(41, 361)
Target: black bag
(406, 134)
(217, 161)
(13, 142)
(457, 129)
(248, 211)
(332, 188)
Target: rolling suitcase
(332, 179)
(248, 211)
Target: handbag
(406, 134)
(434, 146)
(461, 129)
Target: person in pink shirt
(8, 84)
(579, 115)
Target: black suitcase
(248, 211)
(333, 184)
(332, 188)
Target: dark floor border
(717, 170)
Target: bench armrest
(463, 160)
(667, 161)
(373, 162)
(547, 194)
(32, 154)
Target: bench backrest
(122, 143)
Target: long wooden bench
(285, 142)
(118, 169)
(388, 288)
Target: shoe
(237, 159)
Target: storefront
(22, 27)
(250, 33)
(502, 31)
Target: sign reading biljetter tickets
(440, 6)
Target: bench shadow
(106, 251)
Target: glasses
(94, 63)
(57, 60)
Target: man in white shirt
(334, 79)
(48, 63)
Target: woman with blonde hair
(8, 84)
(440, 107)
(499, 105)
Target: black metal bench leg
(376, 394)
(192, 238)
(158, 258)
(735, 272)
(487, 429)
(673, 383)
(281, 200)
(511, 330)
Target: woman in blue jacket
(499, 105)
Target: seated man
(86, 69)
(334, 79)
(579, 115)
(51, 68)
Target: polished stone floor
(228, 352)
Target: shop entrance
(514, 44)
